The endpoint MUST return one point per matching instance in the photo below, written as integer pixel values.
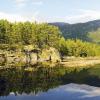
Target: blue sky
(71, 11)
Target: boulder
(33, 58)
(55, 55)
(2, 58)
(50, 54)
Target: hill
(88, 31)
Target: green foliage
(5, 29)
(40, 35)
(78, 48)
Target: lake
(47, 83)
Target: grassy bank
(80, 62)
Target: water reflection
(22, 81)
(43, 83)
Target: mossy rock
(50, 54)
(33, 58)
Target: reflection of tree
(20, 81)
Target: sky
(69, 11)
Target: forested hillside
(85, 31)
(18, 35)
(39, 35)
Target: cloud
(20, 3)
(76, 16)
(16, 17)
(37, 3)
(83, 16)
(88, 91)
(79, 16)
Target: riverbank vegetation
(78, 48)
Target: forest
(42, 35)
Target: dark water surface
(55, 83)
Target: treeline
(78, 48)
(42, 36)
(39, 35)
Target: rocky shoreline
(30, 56)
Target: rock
(23, 58)
(2, 58)
(50, 54)
(55, 56)
(33, 58)
(15, 57)
(44, 56)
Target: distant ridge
(81, 31)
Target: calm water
(50, 84)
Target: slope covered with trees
(39, 35)
(80, 30)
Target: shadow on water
(41, 79)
